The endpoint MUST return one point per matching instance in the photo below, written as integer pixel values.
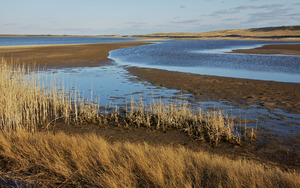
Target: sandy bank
(284, 49)
(63, 56)
(266, 94)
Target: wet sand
(283, 49)
(64, 56)
(266, 94)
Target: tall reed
(213, 127)
(26, 105)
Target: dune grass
(87, 160)
(32, 154)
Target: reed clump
(212, 127)
(87, 160)
(26, 103)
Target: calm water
(209, 58)
(12, 41)
(112, 84)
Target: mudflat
(283, 49)
(64, 56)
(266, 94)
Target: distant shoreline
(281, 33)
(166, 37)
(92, 36)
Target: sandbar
(64, 56)
(265, 94)
(283, 49)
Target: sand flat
(63, 56)
(283, 49)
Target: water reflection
(112, 84)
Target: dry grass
(25, 104)
(87, 160)
(212, 127)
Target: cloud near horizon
(267, 7)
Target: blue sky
(96, 17)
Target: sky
(129, 17)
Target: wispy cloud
(193, 21)
(267, 7)
(8, 24)
(295, 14)
(231, 19)
(296, 4)
(222, 12)
(235, 10)
(136, 23)
(275, 16)
(182, 6)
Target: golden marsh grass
(87, 160)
